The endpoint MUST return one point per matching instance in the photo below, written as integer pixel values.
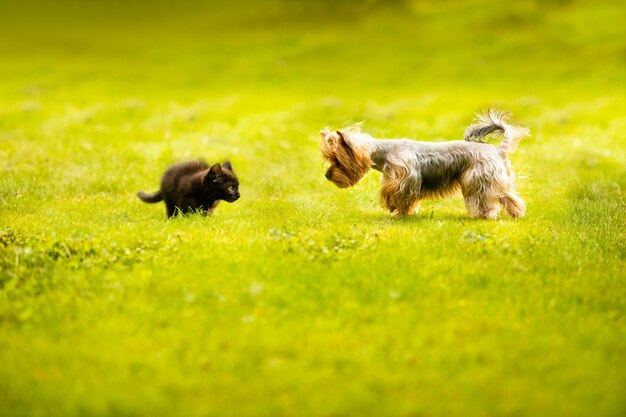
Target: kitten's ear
(216, 169)
(227, 165)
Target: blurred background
(178, 78)
(378, 49)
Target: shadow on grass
(415, 219)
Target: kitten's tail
(496, 121)
(150, 198)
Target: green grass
(301, 298)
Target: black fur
(192, 186)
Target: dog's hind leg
(513, 204)
(482, 201)
(472, 204)
(483, 186)
(415, 207)
(409, 205)
(490, 210)
(482, 206)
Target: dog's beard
(339, 177)
(349, 159)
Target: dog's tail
(496, 121)
(150, 198)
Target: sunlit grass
(301, 298)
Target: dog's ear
(329, 143)
(343, 149)
(329, 138)
(344, 139)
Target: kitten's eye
(231, 189)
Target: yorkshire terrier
(414, 170)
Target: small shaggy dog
(414, 170)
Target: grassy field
(302, 299)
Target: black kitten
(194, 186)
